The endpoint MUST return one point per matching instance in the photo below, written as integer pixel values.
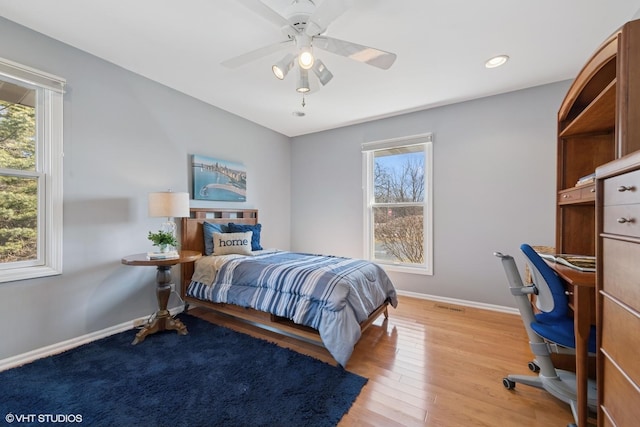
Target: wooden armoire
(599, 132)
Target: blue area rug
(211, 377)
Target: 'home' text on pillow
(232, 243)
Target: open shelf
(599, 115)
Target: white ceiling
(441, 46)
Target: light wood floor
(436, 364)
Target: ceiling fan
(304, 23)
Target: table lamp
(170, 205)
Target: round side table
(162, 320)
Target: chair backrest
(551, 298)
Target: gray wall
(493, 188)
(125, 136)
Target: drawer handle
(624, 188)
(625, 220)
(568, 293)
(565, 196)
(593, 190)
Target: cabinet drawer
(622, 189)
(620, 398)
(621, 269)
(583, 194)
(588, 193)
(622, 220)
(569, 196)
(621, 337)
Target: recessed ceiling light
(298, 113)
(496, 61)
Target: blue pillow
(208, 230)
(255, 238)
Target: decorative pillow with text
(232, 243)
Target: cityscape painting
(221, 180)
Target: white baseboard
(50, 350)
(473, 304)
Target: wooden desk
(583, 304)
(163, 320)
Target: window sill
(423, 271)
(25, 273)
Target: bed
(327, 300)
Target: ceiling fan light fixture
(303, 81)
(282, 67)
(322, 72)
(496, 61)
(305, 58)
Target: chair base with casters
(559, 383)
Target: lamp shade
(282, 67)
(303, 81)
(306, 59)
(321, 71)
(169, 204)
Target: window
(30, 173)
(398, 203)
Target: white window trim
(49, 125)
(367, 169)
(31, 76)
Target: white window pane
(399, 175)
(18, 219)
(398, 234)
(17, 127)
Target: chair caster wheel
(533, 367)
(508, 384)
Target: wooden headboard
(191, 237)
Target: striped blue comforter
(330, 294)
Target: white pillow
(232, 243)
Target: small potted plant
(164, 240)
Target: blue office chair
(550, 330)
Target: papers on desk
(577, 262)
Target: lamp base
(169, 227)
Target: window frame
(48, 171)
(368, 155)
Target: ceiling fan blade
(245, 58)
(368, 55)
(325, 14)
(261, 9)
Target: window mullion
(399, 204)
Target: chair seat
(561, 331)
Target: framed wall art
(220, 180)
